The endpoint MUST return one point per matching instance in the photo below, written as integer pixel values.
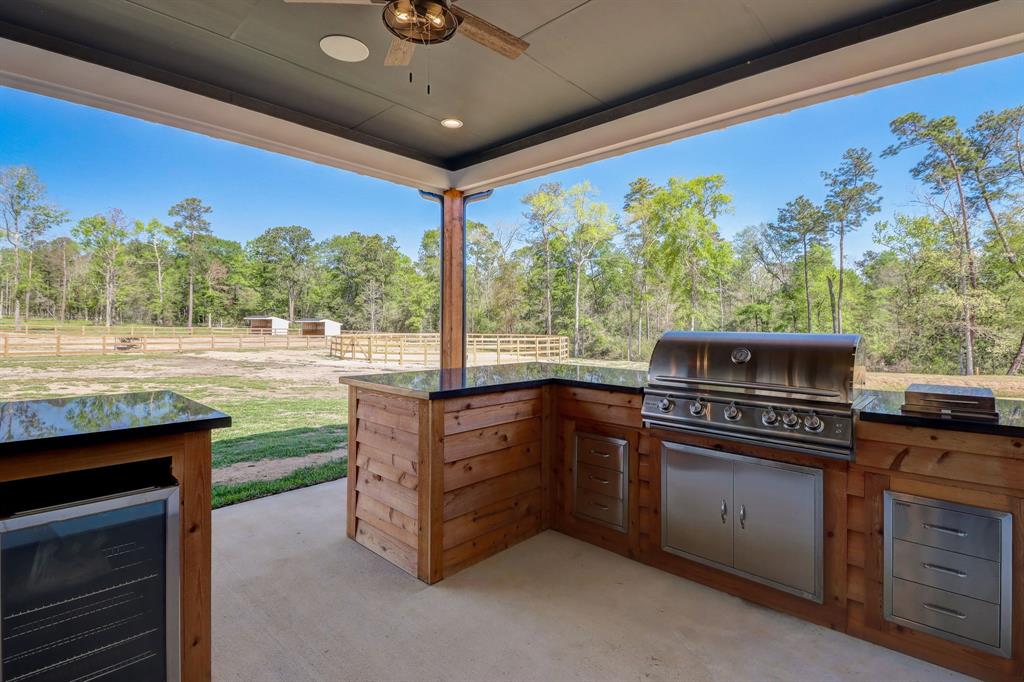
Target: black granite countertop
(884, 406)
(452, 383)
(28, 425)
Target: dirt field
(298, 372)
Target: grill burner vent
(793, 391)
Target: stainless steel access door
(698, 504)
(777, 524)
(752, 517)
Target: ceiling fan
(429, 22)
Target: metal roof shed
(268, 325)
(321, 327)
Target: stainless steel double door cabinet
(757, 518)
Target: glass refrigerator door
(90, 591)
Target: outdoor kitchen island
(105, 531)
(450, 467)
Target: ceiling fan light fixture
(452, 123)
(424, 22)
(344, 48)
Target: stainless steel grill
(793, 391)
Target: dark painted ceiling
(588, 60)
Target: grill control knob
(769, 418)
(698, 407)
(813, 423)
(665, 405)
(732, 413)
(790, 419)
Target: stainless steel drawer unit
(601, 480)
(948, 571)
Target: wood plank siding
(492, 474)
(384, 461)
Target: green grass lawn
(275, 428)
(224, 495)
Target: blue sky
(93, 160)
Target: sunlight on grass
(224, 495)
(275, 428)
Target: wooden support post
(192, 469)
(453, 280)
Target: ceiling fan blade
(399, 53)
(489, 35)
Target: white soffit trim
(47, 73)
(969, 37)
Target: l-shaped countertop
(435, 384)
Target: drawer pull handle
(602, 507)
(944, 611)
(943, 569)
(605, 455)
(602, 481)
(946, 529)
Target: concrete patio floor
(295, 600)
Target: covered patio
(294, 600)
(309, 585)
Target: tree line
(942, 290)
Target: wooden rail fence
(402, 349)
(135, 330)
(28, 345)
(425, 349)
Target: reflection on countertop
(60, 422)
(452, 383)
(884, 406)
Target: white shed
(322, 327)
(267, 325)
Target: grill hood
(807, 367)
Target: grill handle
(777, 388)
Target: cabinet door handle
(602, 481)
(944, 611)
(946, 529)
(604, 455)
(743, 516)
(724, 510)
(943, 569)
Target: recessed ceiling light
(451, 123)
(344, 48)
